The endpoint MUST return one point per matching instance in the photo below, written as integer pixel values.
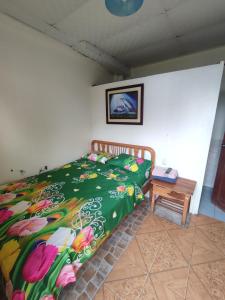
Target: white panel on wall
(211, 56)
(179, 112)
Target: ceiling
(161, 29)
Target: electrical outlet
(43, 169)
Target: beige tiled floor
(167, 262)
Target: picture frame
(124, 105)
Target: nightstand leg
(185, 210)
(152, 202)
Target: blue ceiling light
(123, 8)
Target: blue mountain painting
(124, 106)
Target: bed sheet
(52, 223)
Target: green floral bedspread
(52, 223)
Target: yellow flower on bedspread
(134, 168)
(93, 175)
(83, 239)
(8, 256)
(130, 190)
(67, 166)
(112, 176)
(140, 196)
(88, 176)
(84, 166)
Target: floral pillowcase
(101, 157)
(132, 163)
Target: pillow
(132, 163)
(101, 157)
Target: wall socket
(43, 169)
(21, 171)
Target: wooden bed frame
(118, 148)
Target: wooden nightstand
(174, 196)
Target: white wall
(44, 100)
(179, 112)
(203, 58)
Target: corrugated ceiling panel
(154, 30)
(50, 11)
(196, 14)
(159, 30)
(152, 53)
(203, 39)
(93, 22)
(171, 4)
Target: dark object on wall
(219, 186)
(124, 105)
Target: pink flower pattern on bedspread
(28, 226)
(5, 214)
(66, 276)
(39, 262)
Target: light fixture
(123, 8)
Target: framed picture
(124, 105)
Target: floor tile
(204, 250)
(216, 234)
(160, 247)
(110, 295)
(148, 292)
(130, 264)
(160, 252)
(129, 289)
(184, 239)
(99, 295)
(171, 285)
(169, 225)
(151, 224)
(212, 275)
(195, 288)
(202, 220)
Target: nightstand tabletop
(182, 185)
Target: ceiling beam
(101, 57)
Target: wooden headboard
(118, 148)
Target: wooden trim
(118, 148)
(218, 195)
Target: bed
(52, 223)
